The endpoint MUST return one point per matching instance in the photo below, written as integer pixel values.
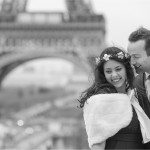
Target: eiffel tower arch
(10, 61)
(79, 34)
(78, 42)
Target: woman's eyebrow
(117, 66)
(108, 68)
(114, 67)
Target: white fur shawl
(105, 115)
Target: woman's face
(115, 73)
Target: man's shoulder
(139, 81)
(139, 77)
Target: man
(139, 50)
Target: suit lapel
(141, 92)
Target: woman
(111, 111)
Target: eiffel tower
(81, 35)
(78, 37)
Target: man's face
(139, 58)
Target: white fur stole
(105, 115)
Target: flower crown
(106, 57)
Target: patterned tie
(147, 83)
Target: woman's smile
(116, 80)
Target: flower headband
(106, 57)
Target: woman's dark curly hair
(100, 84)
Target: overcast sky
(122, 16)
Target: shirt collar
(146, 75)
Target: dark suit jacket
(139, 84)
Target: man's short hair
(141, 34)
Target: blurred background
(47, 55)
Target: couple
(116, 107)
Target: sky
(122, 16)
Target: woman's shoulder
(102, 91)
(106, 90)
(108, 97)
